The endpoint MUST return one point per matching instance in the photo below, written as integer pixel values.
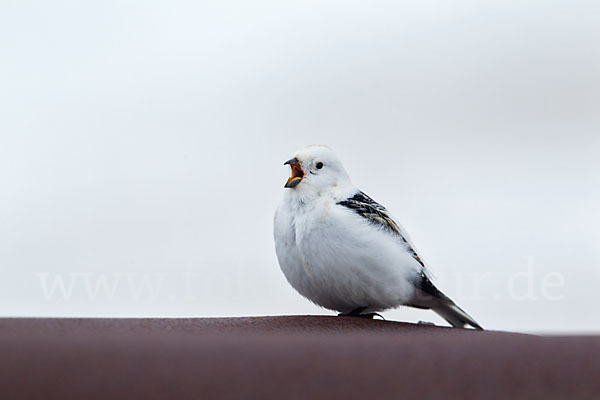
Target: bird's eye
(319, 165)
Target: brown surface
(287, 357)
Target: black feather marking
(426, 292)
(377, 215)
(374, 212)
(425, 284)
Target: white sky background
(145, 140)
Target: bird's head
(316, 167)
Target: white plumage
(341, 250)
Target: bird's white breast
(339, 261)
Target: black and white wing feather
(378, 215)
(428, 296)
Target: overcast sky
(142, 142)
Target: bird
(343, 251)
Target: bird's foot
(371, 315)
(354, 313)
(357, 312)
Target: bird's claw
(358, 313)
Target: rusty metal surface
(294, 357)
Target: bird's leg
(369, 315)
(357, 313)
(354, 313)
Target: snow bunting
(343, 251)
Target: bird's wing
(378, 215)
(428, 296)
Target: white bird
(343, 251)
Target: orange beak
(297, 173)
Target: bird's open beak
(297, 173)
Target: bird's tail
(429, 297)
(455, 315)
